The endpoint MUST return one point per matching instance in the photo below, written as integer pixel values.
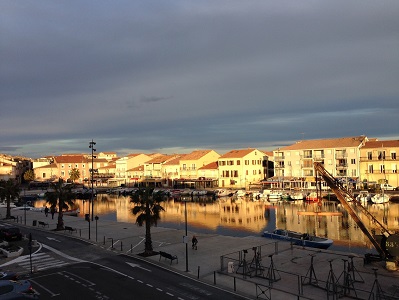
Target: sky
(178, 75)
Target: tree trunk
(60, 222)
(8, 214)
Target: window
(381, 155)
(69, 166)
(230, 162)
(369, 155)
(184, 167)
(235, 174)
(393, 155)
(371, 169)
(238, 162)
(246, 172)
(44, 175)
(394, 168)
(246, 162)
(193, 167)
(76, 165)
(382, 168)
(254, 172)
(83, 166)
(353, 161)
(62, 173)
(62, 166)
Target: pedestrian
(52, 212)
(194, 242)
(46, 211)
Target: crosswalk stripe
(42, 261)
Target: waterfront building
(241, 168)
(126, 163)
(379, 162)
(153, 173)
(340, 157)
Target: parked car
(387, 187)
(8, 276)
(10, 289)
(10, 233)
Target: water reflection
(243, 217)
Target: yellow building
(379, 162)
(240, 168)
(340, 157)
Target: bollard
(121, 246)
(131, 248)
(198, 272)
(235, 286)
(104, 239)
(214, 277)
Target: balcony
(341, 166)
(340, 155)
(279, 158)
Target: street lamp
(186, 237)
(96, 218)
(91, 146)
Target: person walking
(46, 211)
(194, 242)
(52, 212)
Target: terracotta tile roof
(197, 154)
(65, 159)
(160, 159)
(139, 168)
(239, 153)
(176, 160)
(355, 141)
(210, 166)
(382, 144)
(54, 166)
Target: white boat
(297, 196)
(364, 197)
(224, 193)
(275, 196)
(380, 198)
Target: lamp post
(186, 237)
(91, 146)
(96, 218)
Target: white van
(387, 187)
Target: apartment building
(339, 156)
(190, 163)
(241, 168)
(379, 162)
(124, 165)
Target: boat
(297, 196)
(364, 197)
(275, 196)
(313, 197)
(300, 239)
(380, 198)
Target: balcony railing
(339, 155)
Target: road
(68, 268)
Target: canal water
(243, 217)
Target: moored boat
(380, 198)
(300, 239)
(364, 197)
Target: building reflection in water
(244, 217)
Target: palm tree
(29, 175)
(60, 196)
(9, 190)
(148, 208)
(74, 174)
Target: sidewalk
(291, 265)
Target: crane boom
(343, 196)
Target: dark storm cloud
(182, 75)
